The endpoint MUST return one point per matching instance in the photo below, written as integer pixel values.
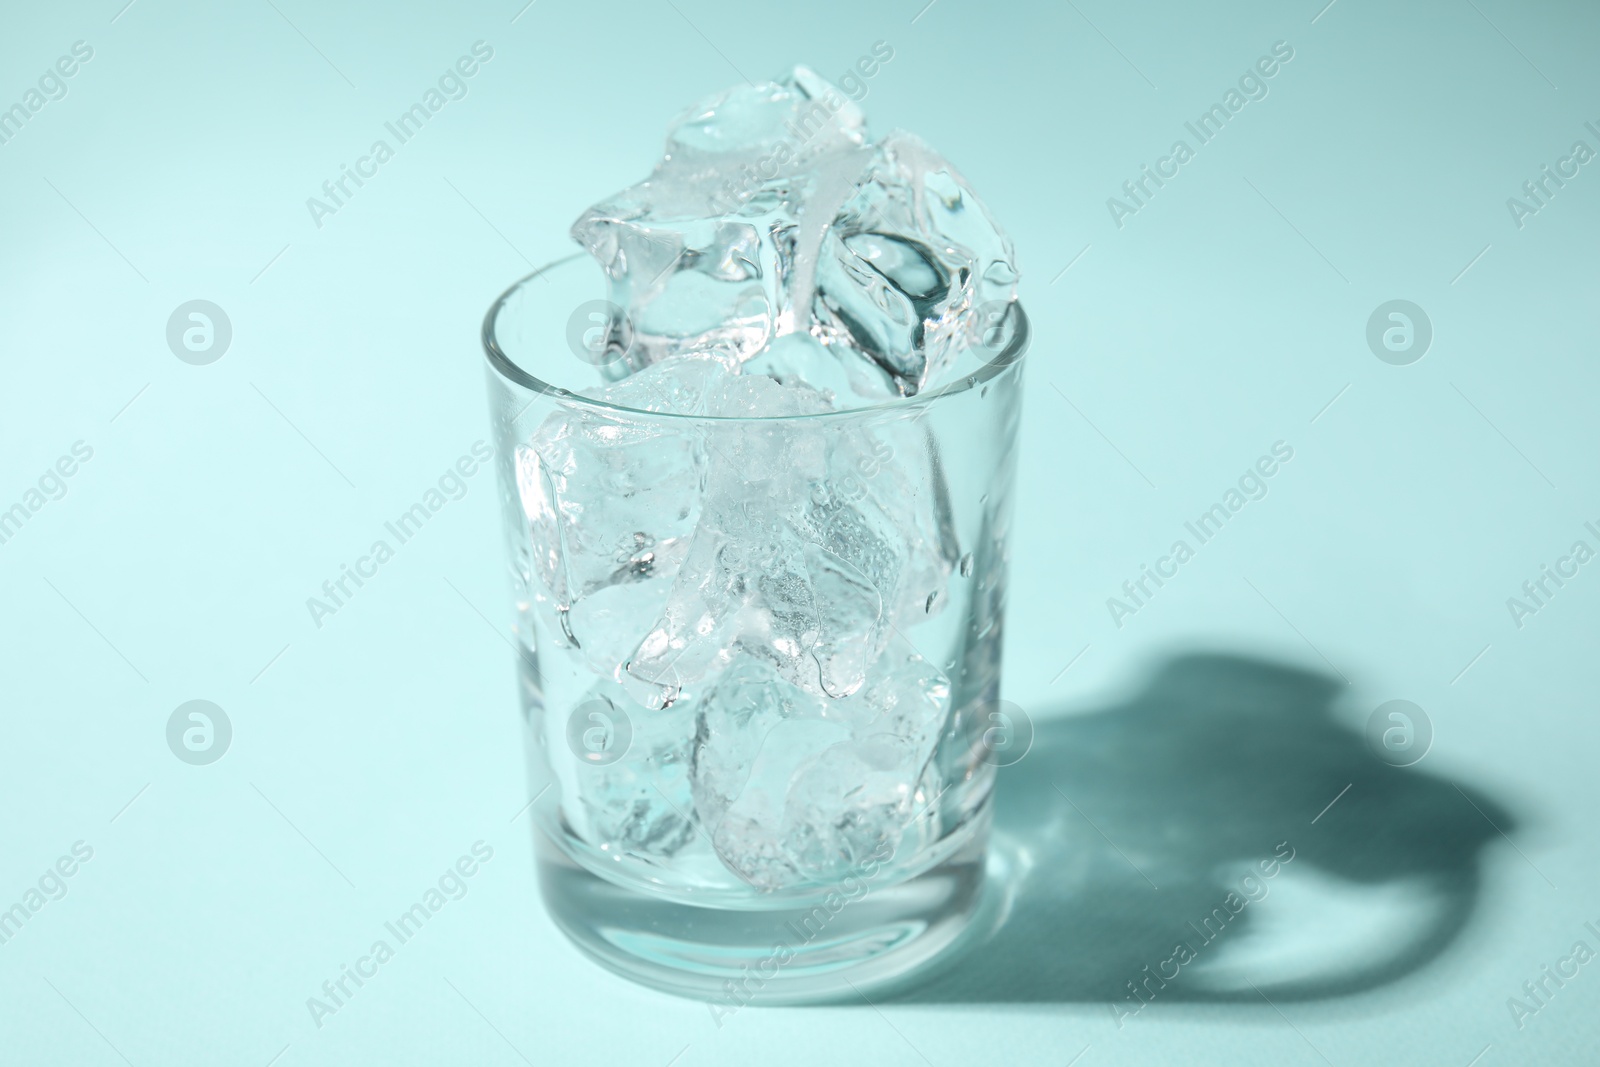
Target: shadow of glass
(1139, 839)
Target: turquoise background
(1229, 313)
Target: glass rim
(507, 369)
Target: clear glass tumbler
(759, 657)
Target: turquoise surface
(179, 513)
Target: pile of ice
(772, 214)
(741, 584)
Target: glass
(759, 659)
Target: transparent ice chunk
(642, 803)
(753, 731)
(808, 547)
(680, 385)
(744, 587)
(906, 696)
(847, 802)
(850, 627)
(612, 501)
(839, 376)
(796, 786)
(744, 584)
(736, 715)
(698, 253)
(861, 797)
(910, 258)
(772, 214)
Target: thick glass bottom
(860, 939)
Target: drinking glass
(758, 656)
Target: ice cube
(736, 715)
(909, 259)
(747, 122)
(752, 395)
(840, 377)
(854, 530)
(850, 626)
(743, 588)
(641, 804)
(885, 496)
(748, 844)
(809, 546)
(753, 731)
(905, 696)
(619, 495)
(853, 799)
(772, 214)
(611, 501)
(797, 786)
(849, 801)
(744, 584)
(698, 253)
(609, 623)
(678, 385)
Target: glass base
(848, 945)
